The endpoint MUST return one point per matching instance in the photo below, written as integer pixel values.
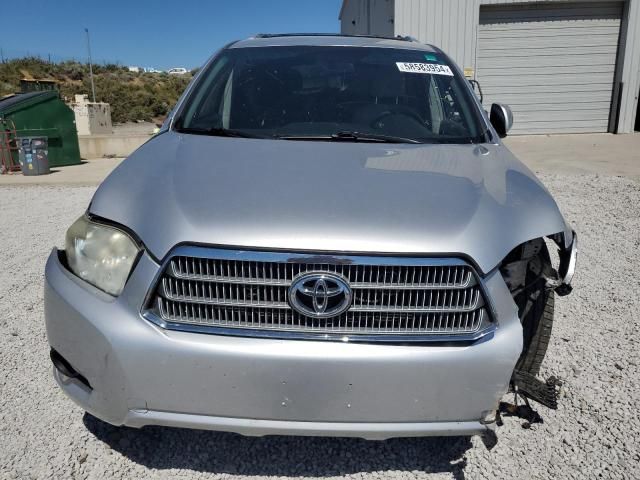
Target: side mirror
(501, 118)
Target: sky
(161, 34)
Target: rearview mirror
(501, 118)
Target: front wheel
(536, 315)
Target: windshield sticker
(430, 57)
(428, 68)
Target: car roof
(330, 40)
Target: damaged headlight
(100, 254)
(531, 261)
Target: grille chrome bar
(372, 323)
(402, 286)
(247, 292)
(283, 273)
(175, 272)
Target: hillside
(133, 96)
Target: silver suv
(327, 237)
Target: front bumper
(143, 375)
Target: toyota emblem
(320, 295)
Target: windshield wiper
(218, 132)
(373, 137)
(350, 136)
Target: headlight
(100, 254)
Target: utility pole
(1, 55)
(93, 87)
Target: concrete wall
(99, 118)
(99, 146)
(92, 118)
(453, 26)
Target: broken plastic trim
(543, 392)
(567, 268)
(514, 266)
(64, 367)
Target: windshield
(345, 93)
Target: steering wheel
(375, 123)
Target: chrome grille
(249, 290)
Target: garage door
(553, 64)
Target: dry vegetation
(133, 96)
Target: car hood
(473, 201)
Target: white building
(91, 117)
(563, 66)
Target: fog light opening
(65, 368)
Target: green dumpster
(42, 114)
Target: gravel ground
(595, 349)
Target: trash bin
(34, 155)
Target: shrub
(132, 96)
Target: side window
(203, 107)
(210, 111)
(456, 116)
(226, 102)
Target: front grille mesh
(387, 299)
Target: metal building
(563, 66)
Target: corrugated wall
(453, 24)
(449, 24)
(553, 64)
(631, 72)
(354, 17)
(367, 17)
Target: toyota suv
(327, 237)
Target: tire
(536, 315)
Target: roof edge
(342, 7)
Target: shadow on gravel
(214, 452)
